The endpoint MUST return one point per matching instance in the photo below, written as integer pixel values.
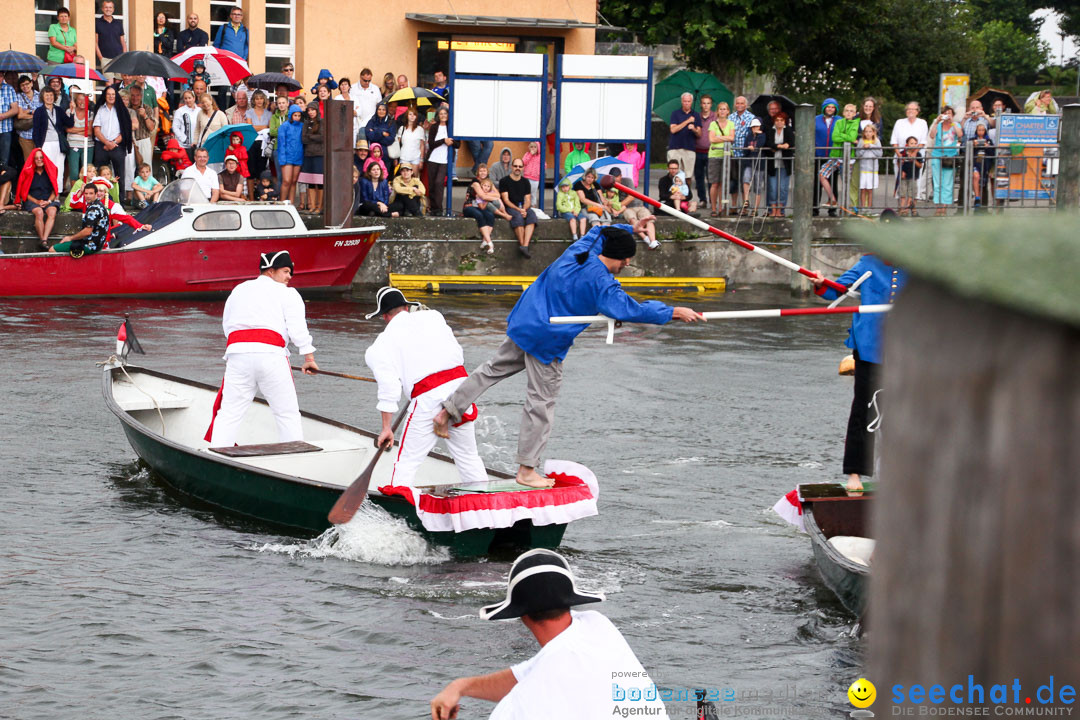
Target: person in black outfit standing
(192, 36)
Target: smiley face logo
(862, 693)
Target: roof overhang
(491, 21)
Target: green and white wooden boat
(833, 515)
(292, 486)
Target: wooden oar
(337, 374)
(353, 497)
(608, 182)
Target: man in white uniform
(417, 353)
(261, 317)
(578, 673)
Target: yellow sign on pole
(953, 91)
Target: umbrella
(141, 62)
(760, 106)
(414, 93)
(602, 166)
(667, 93)
(270, 81)
(224, 67)
(73, 71)
(218, 142)
(15, 61)
(988, 96)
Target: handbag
(24, 124)
(394, 148)
(948, 163)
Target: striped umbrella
(73, 71)
(15, 61)
(225, 67)
(602, 166)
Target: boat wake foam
(372, 536)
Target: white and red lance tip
(607, 183)
(733, 315)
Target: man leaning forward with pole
(581, 282)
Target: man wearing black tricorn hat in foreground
(581, 282)
(585, 670)
(261, 317)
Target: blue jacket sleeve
(219, 37)
(245, 42)
(615, 303)
(846, 279)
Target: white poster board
(495, 108)
(594, 107)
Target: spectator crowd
(140, 132)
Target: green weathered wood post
(802, 228)
(1068, 180)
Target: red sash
(442, 377)
(258, 335)
(434, 380)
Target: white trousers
(270, 374)
(418, 438)
(52, 151)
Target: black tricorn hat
(386, 300)
(274, 260)
(539, 580)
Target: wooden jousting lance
(733, 315)
(608, 182)
(337, 374)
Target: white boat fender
(856, 549)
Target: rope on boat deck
(113, 361)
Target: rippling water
(120, 599)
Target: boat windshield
(184, 191)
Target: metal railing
(979, 178)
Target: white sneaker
(653, 244)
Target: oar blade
(353, 497)
(350, 500)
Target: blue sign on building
(1029, 129)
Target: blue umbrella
(217, 142)
(15, 61)
(72, 71)
(602, 166)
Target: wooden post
(977, 562)
(802, 228)
(338, 165)
(1068, 180)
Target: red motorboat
(194, 248)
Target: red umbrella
(225, 67)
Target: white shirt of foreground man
(261, 317)
(417, 353)
(582, 656)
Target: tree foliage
(1009, 51)
(896, 48)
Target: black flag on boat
(126, 341)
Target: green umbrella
(667, 92)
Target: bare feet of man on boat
(854, 483)
(441, 423)
(528, 477)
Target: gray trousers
(543, 388)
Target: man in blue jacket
(823, 131)
(232, 36)
(864, 339)
(581, 282)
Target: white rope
(875, 424)
(113, 361)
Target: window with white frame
(174, 11)
(280, 33)
(44, 16)
(219, 15)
